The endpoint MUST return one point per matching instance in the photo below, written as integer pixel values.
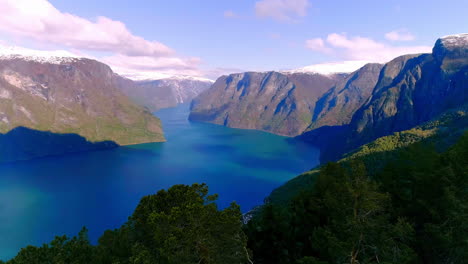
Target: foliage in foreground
(412, 211)
(180, 225)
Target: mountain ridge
(76, 96)
(355, 110)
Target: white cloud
(40, 21)
(332, 67)
(400, 35)
(317, 44)
(281, 10)
(361, 48)
(166, 65)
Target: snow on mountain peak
(190, 78)
(41, 56)
(455, 40)
(152, 76)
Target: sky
(208, 38)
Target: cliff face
(337, 106)
(411, 89)
(75, 96)
(418, 89)
(285, 103)
(275, 102)
(166, 93)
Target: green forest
(411, 208)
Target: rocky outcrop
(73, 96)
(338, 105)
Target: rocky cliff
(285, 103)
(73, 96)
(411, 89)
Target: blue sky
(212, 37)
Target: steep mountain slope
(164, 93)
(411, 89)
(338, 105)
(286, 103)
(71, 95)
(280, 103)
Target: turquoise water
(54, 196)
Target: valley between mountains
(382, 152)
(337, 112)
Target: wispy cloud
(168, 65)
(332, 67)
(230, 14)
(400, 35)
(281, 10)
(318, 44)
(39, 20)
(361, 48)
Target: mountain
(340, 112)
(281, 103)
(337, 106)
(411, 90)
(168, 92)
(285, 103)
(66, 95)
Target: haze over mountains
(167, 92)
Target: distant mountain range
(168, 92)
(67, 95)
(339, 112)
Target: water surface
(54, 196)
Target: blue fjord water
(58, 195)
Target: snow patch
(41, 56)
(190, 78)
(455, 40)
(153, 76)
